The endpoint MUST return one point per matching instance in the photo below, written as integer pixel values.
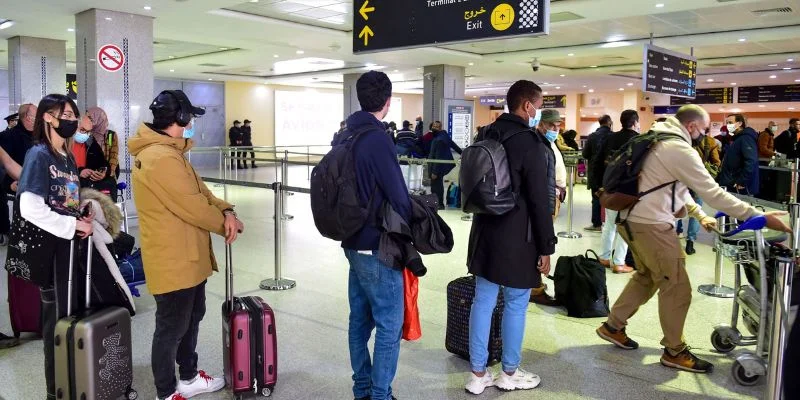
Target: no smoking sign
(110, 58)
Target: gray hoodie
(676, 160)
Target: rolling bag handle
(71, 272)
(69, 277)
(229, 277)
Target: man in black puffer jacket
(593, 154)
(739, 172)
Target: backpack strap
(596, 257)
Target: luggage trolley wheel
(131, 394)
(744, 373)
(724, 338)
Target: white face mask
(773, 128)
(731, 128)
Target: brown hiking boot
(622, 269)
(618, 337)
(686, 361)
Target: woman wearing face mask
(49, 198)
(93, 155)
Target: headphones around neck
(184, 115)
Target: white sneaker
(521, 380)
(202, 383)
(174, 396)
(477, 384)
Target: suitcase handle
(72, 272)
(229, 277)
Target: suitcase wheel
(131, 394)
(266, 392)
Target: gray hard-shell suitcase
(93, 348)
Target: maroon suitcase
(249, 341)
(24, 305)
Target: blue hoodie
(376, 168)
(740, 165)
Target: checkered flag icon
(528, 14)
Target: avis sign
(390, 25)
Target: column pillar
(351, 103)
(572, 118)
(36, 68)
(124, 94)
(441, 82)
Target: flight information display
(769, 94)
(669, 72)
(706, 96)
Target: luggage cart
(756, 254)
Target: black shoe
(7, 342)
(244, 166)
(254, 166)
(690, 247)
(686, 361)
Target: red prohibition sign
(110, 58)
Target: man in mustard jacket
(177, 213)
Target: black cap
(237, 122)
(247, 121)
(12, 117)
(173, 101)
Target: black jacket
(593, 154)
(401, 244)
(505, 249)
(786, 143)
(235, 136)
(247, 135)
(614, 142)
(16, 142)
(740, 164)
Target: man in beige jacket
(177, 213)
(659, 258)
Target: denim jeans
(513, 326)
(611, 240)
(694, 225)
(376, 302)
(178, 316)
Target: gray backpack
(485, 177)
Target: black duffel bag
(581, 286)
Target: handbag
(30, 251)
(411, 324)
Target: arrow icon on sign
(364, 10)
(366, 33)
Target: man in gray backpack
(649, 230)
(512, 250)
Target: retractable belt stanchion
(285, 179)
(570, 234)
(716, 289)
(781, 300)
(278, 282)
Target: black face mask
(66, 128)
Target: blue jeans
(376, 302)
(694, 225)
(480, 324)
(612, 241)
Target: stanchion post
(793, 186)
(285, 181)
(278, 282)
(570, 234)
(716, 289)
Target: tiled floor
(312, 323)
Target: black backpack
(581, 286)
(337, 211)
(620, 189)
(485, 177)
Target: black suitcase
(93, 347)
(460, 293)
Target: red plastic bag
(411, 326)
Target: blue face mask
(81, 137)
(533, 121)
(551, 135)
(188, 133)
